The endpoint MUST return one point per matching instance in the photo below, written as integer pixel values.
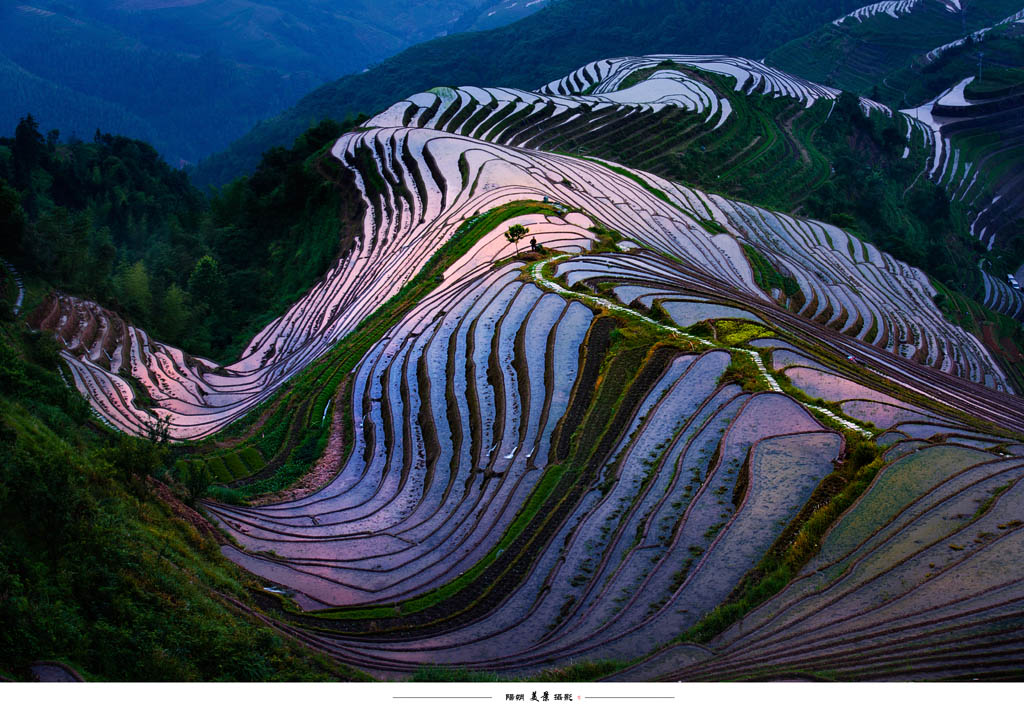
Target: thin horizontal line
(637, 697)
(445, 697)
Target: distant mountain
(496, 14)
(549, 43)
(957, 70)
(189, 76)
(886, 53)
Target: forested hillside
(528, 53)
(109, 219)
(102, 564)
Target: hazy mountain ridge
(528, 53)
(191, 77)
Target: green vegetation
(109, 220)
(891, 61)
(799, 542)
(766, 275)
(879, 57)
(104, 562)
(995, 82)
(734, 333)
(1003, 336)
(101, 565)
(558, 39)
(515, 233)
(743, 371)
(829, 163)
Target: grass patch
(743, 371)
(766, 275)
(733, 333)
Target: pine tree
(135, 291)
(174, 314)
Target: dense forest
(103, 564)
(110, 220)
(872, 192)
(533, 51)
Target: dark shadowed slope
(552, 42)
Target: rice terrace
(677, 367)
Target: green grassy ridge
(921, 82)
(733, 333)
(98, 566)
(995, 82)
(766, 275)
(295, 431)
(802, 537)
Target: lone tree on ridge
(516, 233)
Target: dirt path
(914, 182)
(183, 511)
(787, 128)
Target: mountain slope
(674, 412)
(860, 53)
(555, 40)
(103, 566)
(917, 55)
(193, 76)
